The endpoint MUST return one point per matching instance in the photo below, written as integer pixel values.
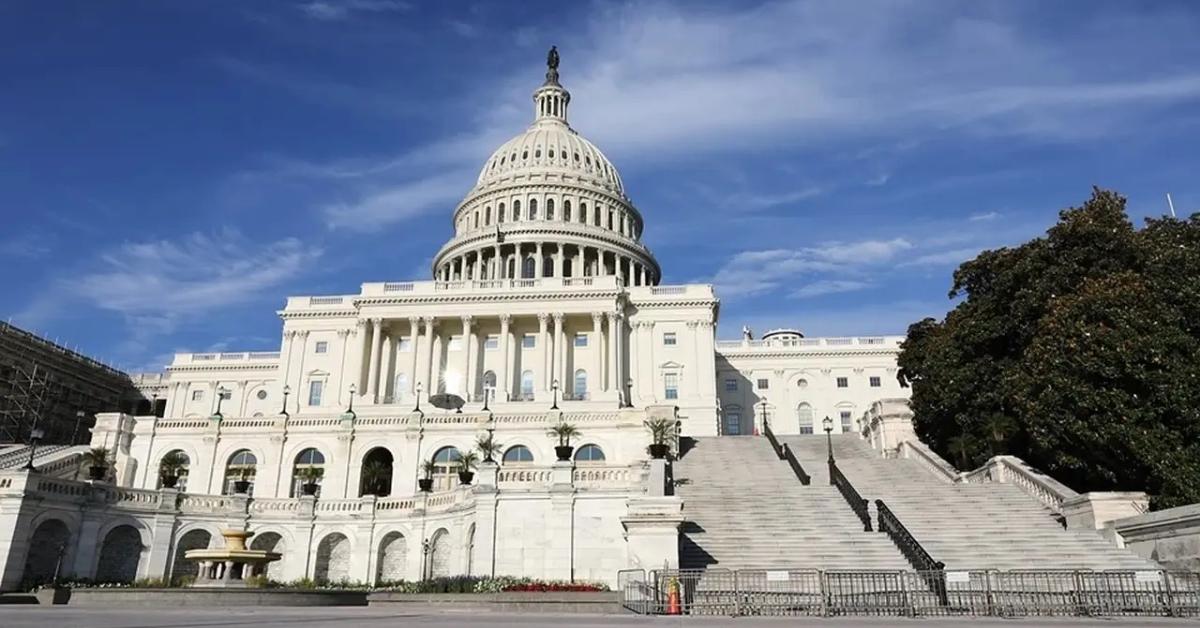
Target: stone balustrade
(810, 343)
(1013, 470)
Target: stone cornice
(802, 353)
(210, 368)
(488, 298)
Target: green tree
(1076, 351)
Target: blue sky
(171, 171)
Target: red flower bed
(543, 587)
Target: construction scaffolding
(48, 386)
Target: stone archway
(392, 562)
(271, 542)
(181, 567)
(120, 555)
(333, 559)
(439, 554)
(48, 544)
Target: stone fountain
(231, 565)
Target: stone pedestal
(1094, 510)
(652, 532)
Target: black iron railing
(917, 556)
(783, 452)
(856, 501)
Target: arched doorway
(47, 547)
(392, 561)
(333, 559)
(271, 542)
(176, 463)
(120, 555)
(181, 567)
(439, 554)
(376, 475)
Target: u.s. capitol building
(545, 307)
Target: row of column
(535, 260)
(377, 342)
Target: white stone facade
(545, 306)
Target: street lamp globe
(827, 424)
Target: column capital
(302, 333)
(289, 334)
(543, 318)
(597, 317)
(558, 318)
(505, 319)
(376, 321)
(431, 322)
(467, 318)
(615, 316)
(342, 333)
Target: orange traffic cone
(673, 597)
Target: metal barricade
(948, 593)
(1183, 588)
(1041, 593)
(780, 592)
(865, 593)
(637, 594)
(697, 591)
(1118, 593)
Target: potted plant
(310, 476)
(564, 431)
(376, 477)
(661, 429)
(468, 461)
(488, 447)
(170, 468)
(96, 459)
(241, 486)
(426, 483)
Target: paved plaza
(262, 617)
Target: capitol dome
(547, 204)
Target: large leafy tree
(1078, 351)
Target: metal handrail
(856, 501)
(913, 551)
(783, 452)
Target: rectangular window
(731, 385)
(314, 393)
(581, 340)
(455, 343)
(763, 384)
(528, 341)
(405, 344)
(669, 339)
(875, 383)
(733, 422)
(197, 395)
(846, 422)
(843, 382)
(671, 386)
(322, 346)
(491, 343)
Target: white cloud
(829, 286)
(942, 258)
(756, 272)
(765, 201)
(397, 203)
(334, 10)
(984, 216)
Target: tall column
(497, 270)
(361, 352)
(430, 373)
(558, 262)
(373, 366)
(468, 344)
(543, 341)
(577, 263)
(645, 342)
(645, 277)
(537, 263)
(560, 353)
(302, 336)
(611, 382)
(387, 369)
(286, 356)
(478, 274)
(596, 346)
(619, 378)
(343, 338)
(414, 327)
(504, 381)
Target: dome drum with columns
(547, 203)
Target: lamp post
(350, 408)
(627, 394)
(154, 404)
(287, 390)
(491, 430)
(554, 391)
(220, 397)
(418, 408)
(36, 434)
(827, 425)
(79, 416)
(763, 403)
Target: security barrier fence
(791, 592)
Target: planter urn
(241, 487)
(170, 481)
(425, 484)
(97, 472)
(563, 452)
(465, 477)
(309, 488)
(658, 451)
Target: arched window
(445, 468)
(476, 220)
(549, 209)
(589, 453)
(527, 385)
(580, 390)
(596, 215)
(804, 416)
(566, 210)
(516, 210)
(583, 212)
(242, 466)
(376, 475)
(489, 385)
(175, 463)
(500, 213)
(528, 266)
(308, 469)
(547, 266)
(487, 216)
(517, 454)
(533, 209)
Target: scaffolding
(22, 401)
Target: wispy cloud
(396, 203)
(829, 286)
(334, 10)
(942, 258)
(755, 272)
(754, 202)
(984, 216)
